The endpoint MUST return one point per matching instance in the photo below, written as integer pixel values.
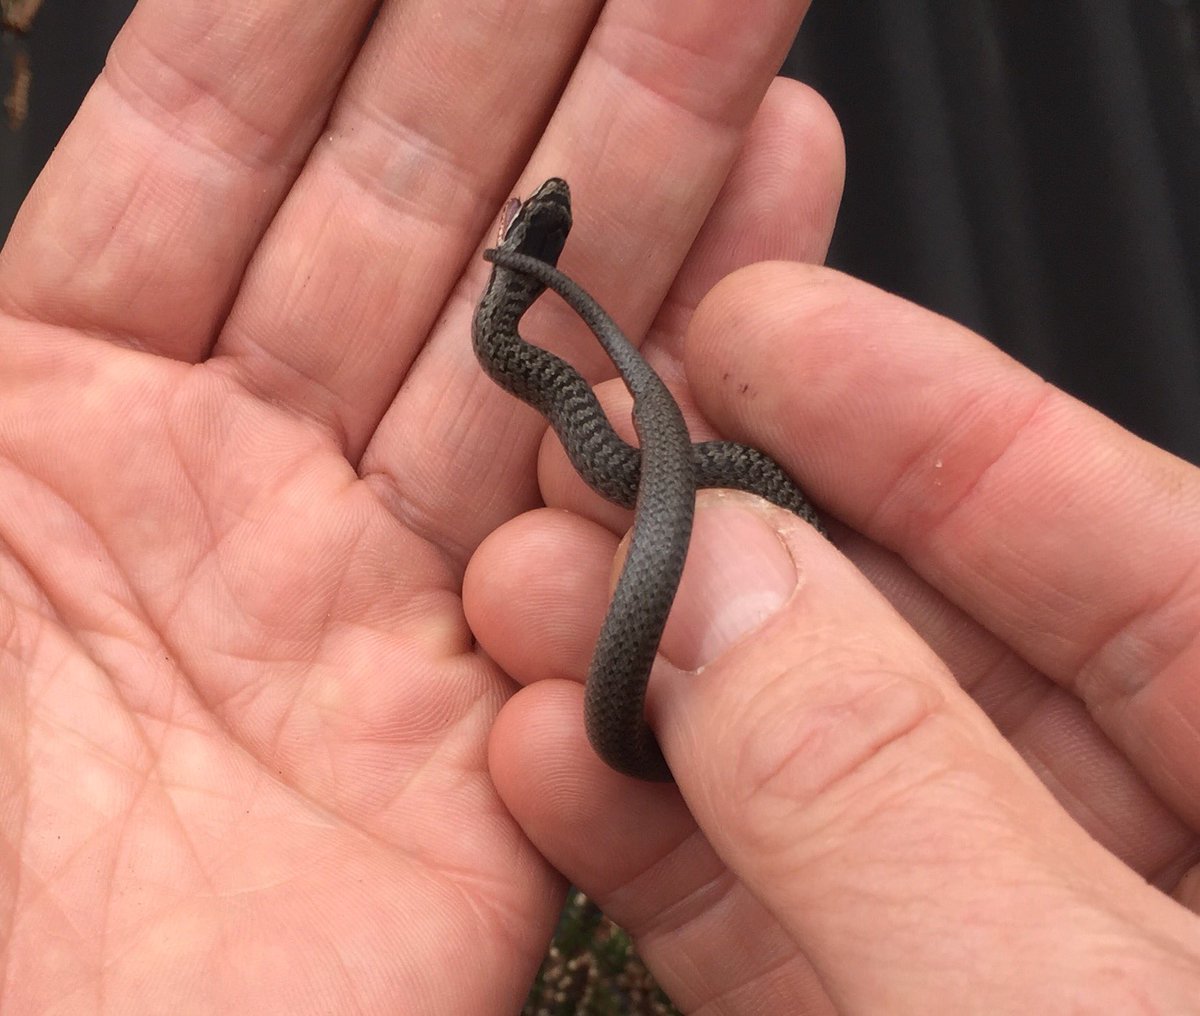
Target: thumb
(867, 802)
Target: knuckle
(816, 743)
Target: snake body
(658, 480)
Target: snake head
(540, 226)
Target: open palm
(245, 453)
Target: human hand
(246, 452)
(854, 831)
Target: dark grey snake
(659, 481)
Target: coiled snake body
(658, 481)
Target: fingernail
(739, 574)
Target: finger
(547, 575)
(1050, 728)
(780, 202)
(862, 797)
(142, 223)
(879, 889)
(433, 124)
(634, 848)
(1071, 540)
(646, 131)
(534, 593)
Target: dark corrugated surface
(1033, 170)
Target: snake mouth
(540, 227)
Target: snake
(658, 479)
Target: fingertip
(808, 112)
(802, 156)
(533, 757)
(596, 826)
(781, 197)
(530, 593)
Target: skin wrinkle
(177, 138)
(181, 672)
(109, 237)
(215, 557)
(95, 749)
(1100, 685)
(245, 370)
(705, 122)
(735, 985)
(255, 147)
(430, 523)
(504, 919)
(453, 173)
(731, 125)
(406, 355)
(1168, 875)
(430, 757)
(754, 785)
(617, 57)
(1099, 693)
(253, 338)
(180, 460)
(1033, 708)
(976, 679)
(316, 805)
(675, 917)
(35, 697)
(1079, 809)
(622, 33)
(500, 20)
(212, 558)
(497, 36)
(1016, 701)
(438, 727)
(48, 886)
(78, 935)
(327, 784)
(134, 91)
(63, 618)
(12, 308)
(421, 522)
(875, 518)
(14, 825)
(1022, 686)
(1175, 787)
(9, 610)
(757, 216)
(101, 243)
